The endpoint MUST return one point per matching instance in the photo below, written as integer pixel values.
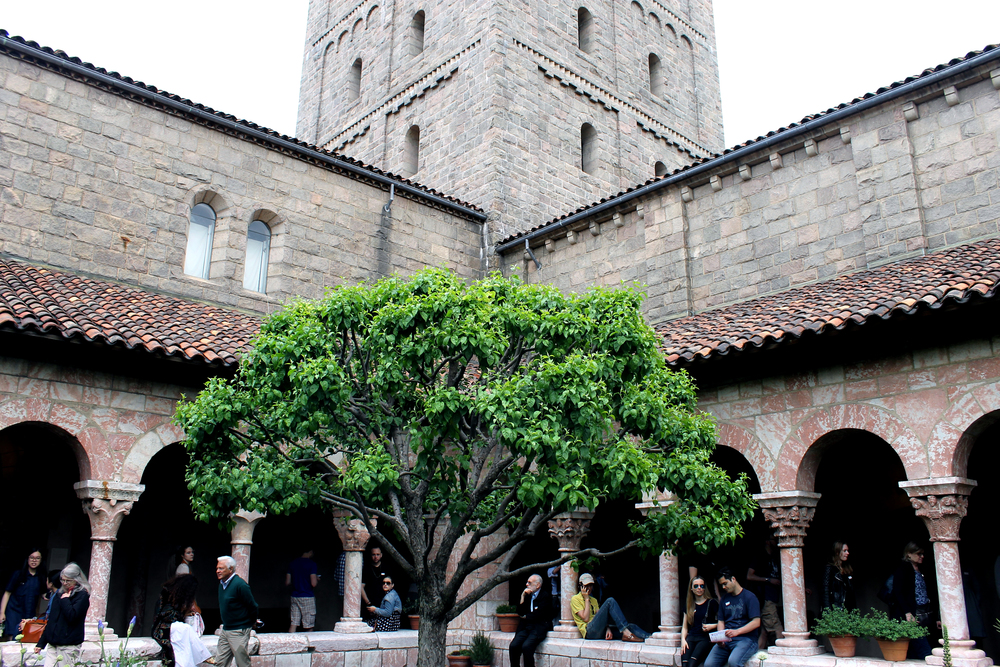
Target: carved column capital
(789, 513)
(569, 528)
(353, 532)
(105, 517)
(244, 523)
(942, 503)
(656, 504)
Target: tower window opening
(258, 250)
(354, 81)
(585, 30)
(415, 35)
(411, 152)
(201, 231)
(659, 169)
(655, 75)
(588, 148)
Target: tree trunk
(431, 640)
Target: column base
(668, 635)
(796, 643)
(90, 633)
(565, 630)
(352, 626)
(963, 654)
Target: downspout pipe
(160, 99)
(759, 146)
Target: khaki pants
(233, 644)
(70, 655)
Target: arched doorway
(161, 522)
(978, 549)
(858, 475)
(38, 464)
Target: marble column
(354, 537)
(942, 503)
(789, 513)
(105, 503)
(568, 529)
(669, 631)
(244, 523)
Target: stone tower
(527, 108)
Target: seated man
(604, 621)
(535, 610)
(739, 616)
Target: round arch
(952, 438)
(69, 422)
(750, 448)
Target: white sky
(779, 59)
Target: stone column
(353, 536)
(568, 529)
(105, 504)
(242, 539)
(669, 631)
(942, 503)
(789, 513)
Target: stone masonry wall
(500, 93)
(901, 179)
(94, 182)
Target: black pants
(526, 640)
(698, 650)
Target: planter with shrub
(842, 628)
(507, 617)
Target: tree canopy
(456, 411)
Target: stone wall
(903, 178)
(501, 91)
(94, 182)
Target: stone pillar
(568, 529)
(789, 513)
(354, 537)
(669, 631)
(105, 504)
(242, 540)
(942, 503)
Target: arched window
(198, 257)
(415, 35)
(354, 81)
(660, 169)
(258, 249)
(655, 75)
(585, 30)
(588, 148)
(411, 152)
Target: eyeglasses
(697, 585)
(65, 580)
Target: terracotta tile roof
(955, 275)
(751, 142)
(152, 93)
(54, 302)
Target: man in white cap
(601, 621)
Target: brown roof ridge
(956, 274)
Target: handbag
(196, 623)
(32, 631)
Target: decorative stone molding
(245, 523)
(942, 503)
(776, 161)
(105, 517)
(789, 514)
(812, 150)
(845, 134)
(745, 172)
(569, 528)
(951, 96)
(686, 194)
(352, 530)
(108, 490)
(716, 183)
(910, 112)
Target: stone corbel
(776, 161)
(995, 78)
(550, 246)
(715, 182)
(951, 96)
(845, 134)
(571, 237)
(910, 112)
(618, 220)
(595, 229)
(812, 150)
(686, 194)
(745, 173)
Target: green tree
(489, 407)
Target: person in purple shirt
(302, 577)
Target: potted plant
(507, 617)
(460, 658)
(411, 610)
(893, 636)
(842, 628)
(481, 650)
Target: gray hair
(73, 571)
(228, 561)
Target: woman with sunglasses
(700, 619)
(385, 618)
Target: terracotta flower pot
(414, 621)
(844, 646)
(508, 622)
(459, 660)
(893, 651)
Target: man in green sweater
(239, 614)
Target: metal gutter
(235, 126)
(758, 146)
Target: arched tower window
(354, 81)
(201, 230)
(258, 250)
(415, 35)
(411, 152)
(655, 75)
(588, 148)
(659, 169)
(585, 30)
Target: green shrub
(877, 624)
(506, 609)
(481, 649)
(837, 622)
(463, 652)
(411, 607)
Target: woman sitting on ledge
(386, 617)
(604, 621)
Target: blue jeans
(733, 653)
(598, 625)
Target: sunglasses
(697, 585)
(387, 583)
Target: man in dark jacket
(535, 610)
(239, 614)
